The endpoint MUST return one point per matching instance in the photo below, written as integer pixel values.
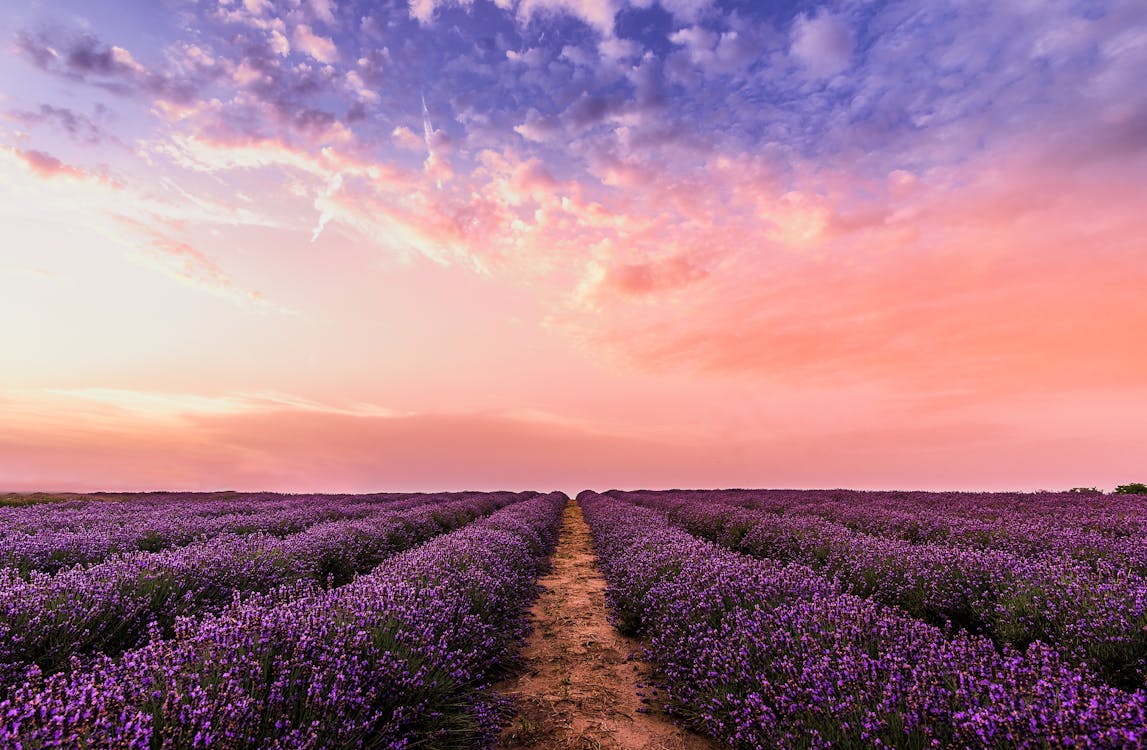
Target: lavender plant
(400, 658)
(761, 655)
(46, 621)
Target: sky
(337, 245)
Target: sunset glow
(441, 244)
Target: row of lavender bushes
(400, 658)
(1112, 527)
(1095, 614)
(764, 655)
(46, 621)
(53, 537)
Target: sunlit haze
(439, 244)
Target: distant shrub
(15, 499)
(1135, 488)
(1086, 490)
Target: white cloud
(618, 50)
(822, 43)
(279, 43)
(685, 10)
(365, 94)
(597, 13)
(318, 47)
(422, 10)
(324, 10)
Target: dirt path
(578, 690)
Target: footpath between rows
(583, 685)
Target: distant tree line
(1135, 488)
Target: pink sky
(329, 245)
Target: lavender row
(1094, 614)
(1086, 527)
(400, 658)
(83, 511)
(116, 605)
(763, 655)
(94, 531)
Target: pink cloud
(971, 287)
(186, 264)
(654, 276)
(405, 138)
(46, 165)
(319, 47)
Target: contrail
(433, 164)
(326, 203)
(427, 128)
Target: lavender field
(909, 620)
(790, 619)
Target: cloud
(277, 442)
(423, 10)
(178, 408)
(538, 127)
(319, 47)
(279, 43)
(324, 10)
(46, 166)
(405, 138)
(142, 440)
(188, 265)
(364, 93)
(616, 50)
(686, 10)
(954, 281)
(87, 59)
(823, 43)
(650, 277)
(598, 14)
(80, 127)
(728, 52)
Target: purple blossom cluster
(1094, 613)
(761, 654)
(49, 537)
(402, 657)
(115, 605)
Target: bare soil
(581, 680)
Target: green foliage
(1135, 488)
(16, 499)
(1086, 491)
